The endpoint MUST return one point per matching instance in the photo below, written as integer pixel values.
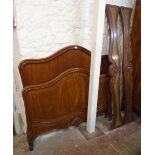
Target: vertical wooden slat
(127, 63)
(114, 69)
(136, 48)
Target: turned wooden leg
(114, 69)
(30, 140)
(127, 64)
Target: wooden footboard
(55, 90)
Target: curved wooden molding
(56, 79)
(127, 63)
(55, 90)
(60, 102)
(114, 69)
(36, 71)
(57, 103)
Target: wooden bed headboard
(36, 71)
(55, 90)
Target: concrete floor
(125, 140)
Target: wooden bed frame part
(55, 90)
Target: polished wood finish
(136, 47)
(55, 90)
(34, 71)
(114, 69)
(127, 67)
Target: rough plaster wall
(45, 26)
(19, 110)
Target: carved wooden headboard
(55, 90)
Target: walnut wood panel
(53, 102)
(62, 99)
(60, 102)
(136, 47)
(127, 67)
(36, 71)
(114, 69)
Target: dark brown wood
(136, 47)
(127, 67)
(58, 103)
(38, 71)
(55, 90)
(108, 113)
(114, 69)
(103, 70)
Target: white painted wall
(45, 26)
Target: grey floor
(125, 140)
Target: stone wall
(45, 26)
